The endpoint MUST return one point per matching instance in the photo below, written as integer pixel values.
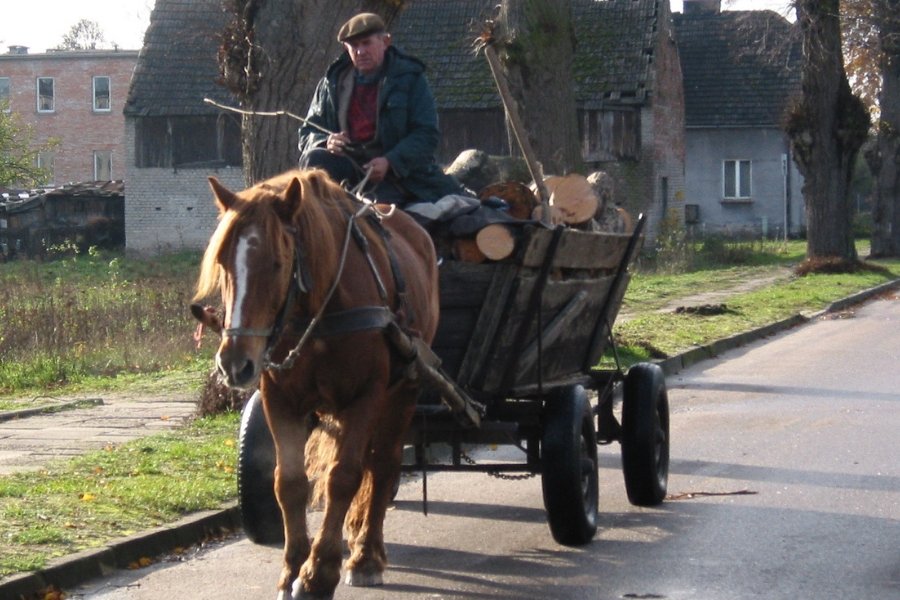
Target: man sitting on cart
(378, 104)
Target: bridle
(320, 325)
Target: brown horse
(310, 279)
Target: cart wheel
(260, 512)
(569, 464)
(645, 435)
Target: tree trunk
(537, 52)
(274, 53)
(885, 162)
(827, 127)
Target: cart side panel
(568, 316)
(463, 289)
(582, 250)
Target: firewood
(574, 197)
(518, 196)
(555, 217)
(466, 250)
(496, 241)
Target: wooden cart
(518, 343)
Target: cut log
(466, 250)
(519, 196)
(496, 241)
(555, 217)
(574, 197)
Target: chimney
(702, 7)
(18, 50)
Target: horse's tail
(321, 452)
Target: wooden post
(512, 112)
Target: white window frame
(102, 155)
(7, 99)
(108, 107)
(733, 166)
(37, 93)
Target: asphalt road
(784, 484)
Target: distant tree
(827, 127)
(537, 49)
(884, 159)
(83, 35)
(871, 43)
(18, 155)
(273, 54)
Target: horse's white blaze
(248, 240)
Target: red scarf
(362, 112)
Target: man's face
(367, 52)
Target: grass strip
(88, 501)
(659, 334)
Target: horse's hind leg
(365, 523)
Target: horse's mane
(319, 220)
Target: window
(4, 94)
(101, 94)
(736, 180)
(608, 135)
(102, 165)
(45, 162)
(45, 100)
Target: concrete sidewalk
(29, 439)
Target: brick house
(174, 140)
(628, 88)
(741, 69)
(77, 98)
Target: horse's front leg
(321, 572)
(365, 523)
(291, 489)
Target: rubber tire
(645, 435)
(570, 480)
(260, 511)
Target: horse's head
(250, 261)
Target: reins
(367, 317)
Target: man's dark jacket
(407, 129)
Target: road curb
(74, 570)
(676, 363)
(11, 415)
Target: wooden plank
(563, 356)
(490, 318)
(464, 284)
(577, 249)
(553, 330)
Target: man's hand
(379, 166)
(337, 142)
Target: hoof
(363, 579)
(298, 593)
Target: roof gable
(740, 68)
(178, 67)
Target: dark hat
(361, 24)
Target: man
(376, 101)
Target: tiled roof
(177, 67)
(612, 61)
(739, 67)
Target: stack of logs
(575, 201)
